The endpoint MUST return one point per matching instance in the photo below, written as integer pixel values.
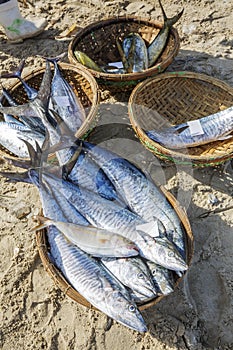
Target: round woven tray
(179, 97)
(64, 285)
(98, 41)
(83, 83)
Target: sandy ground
(34, 312)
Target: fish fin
(43, 222)
(67, 168)
(149, 227)
(122, 55)
(54, 59)
(67, 137)
(170, 21)
(45, 86)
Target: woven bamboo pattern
(65, 286)
(175, 98)
(83, 83)
(98, 41)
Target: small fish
(30, 91)
(214, 127)
(93, 240)
(157, 46)
(86, 61)
(133, 273)
(133, 53)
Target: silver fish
(133, 273)
(110, 216)
(63, 100)
(39, 107)
(98, 287)
(213, 127)
(94, 241)
(157, 46)
(32, 121)
(86, 275)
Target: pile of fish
(134, 53)
(111, 232)
(27, 122)
(214, 127)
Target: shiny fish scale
(214, 126)
(107, 215)
(140, 194)
(86, 173)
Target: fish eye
(171, 254)
(132, 308)
(140, 275)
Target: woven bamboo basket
(66, 287)
(84, 86)
(178, 97)
(98, 41)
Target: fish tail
(16, 177)
(15, 74)
(20, 163)
(43, 223)
(170, 21)
(54, 60)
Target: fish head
(141, 279)
(170, 256)
(127, 313)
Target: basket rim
(67, 288)
(149, 143)
(160, 66)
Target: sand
(34, 312)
